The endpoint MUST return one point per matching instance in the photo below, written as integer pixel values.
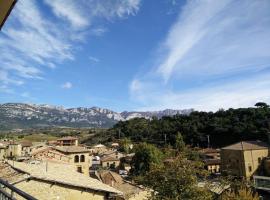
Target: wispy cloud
(232, 94)
(28, 43)
(81, 14)
(34, 40)
(210, 40)
(94, 59)
(67, 85)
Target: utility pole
(165, 138)
(208, 141)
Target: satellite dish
(6, 7)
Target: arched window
(82, 158)
(76, 159)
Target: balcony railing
(262, 182)
(9, 192)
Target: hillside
(20, 116)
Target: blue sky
(137, 54)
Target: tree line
(223, 127)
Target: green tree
(145, 156)
(124, 145)
(176, 181)
(261, 105)
(179, 142)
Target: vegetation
(223, 127)
(175, 178)
(242, 193)
(146, 155)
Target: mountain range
(21, 116)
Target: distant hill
(20, 116)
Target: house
(67, 141)
(99, 149)
(10, 149)
(77, 156)
(211, 160)
(115, 145)
(110, 162)
(130, 191)
(3, 150)
(55, 182)
(26, 148)
(112, 153)
(210, 153)
(212, 165)
(243, 158)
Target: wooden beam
(6, 7)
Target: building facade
(244, 158)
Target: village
(66, 169)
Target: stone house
(243, 158)
(67, 141)
(77, 156)
(109, 162)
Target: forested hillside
(223, 127)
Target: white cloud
(28, 42)
(208, 57)
(33, 41)
(233, 94)
(94, 59)
(67, 85)
(69, 10)
(217, 37)
(81, 13)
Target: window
(76, 159)
(108, 164)
(79, 169)
(249, 168)
(82, 158)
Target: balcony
(9, 192)
(262, 183)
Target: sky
(137, 54)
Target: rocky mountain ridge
(21, 115)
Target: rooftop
(247, 145)
(212, 161)
(108, 158)
(63, 174)
(71, 149)
(67, 138)
(26, 143)
(99, 146)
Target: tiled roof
(26, 143)
(64, 174)
(108, 158)
(99, 146)
(9, 174)
(247, 145)
(71, 149)
(67, 138)
(103, 173)
(212, 161)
